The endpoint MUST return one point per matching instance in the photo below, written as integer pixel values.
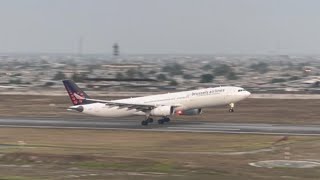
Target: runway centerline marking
(205, 128)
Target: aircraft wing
(139, 107)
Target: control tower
(115, 49)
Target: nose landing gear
(163, 120)
(231, 107)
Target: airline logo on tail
(79, 96)
(76, 98)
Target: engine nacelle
(162, 111)
(189, 112)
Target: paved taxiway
(174, 126)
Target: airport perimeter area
(48, 152)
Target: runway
(173, 126)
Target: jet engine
(162, 111)
(188, 112)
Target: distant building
(307, 69)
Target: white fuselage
(185, 100)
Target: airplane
(163, 105)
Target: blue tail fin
(77, 96)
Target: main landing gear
(231, 107)
(150, 120)
(163, 120)
(146, 121)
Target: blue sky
(161, 26)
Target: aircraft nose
(248, 93)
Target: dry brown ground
(294, 111)
(291, 111)
(92, 154)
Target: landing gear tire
(161, 121)
(231, 107)
(150, 120)
(166, 119)
(144, 123)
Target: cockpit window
(240, 90)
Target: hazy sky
(161, 26)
